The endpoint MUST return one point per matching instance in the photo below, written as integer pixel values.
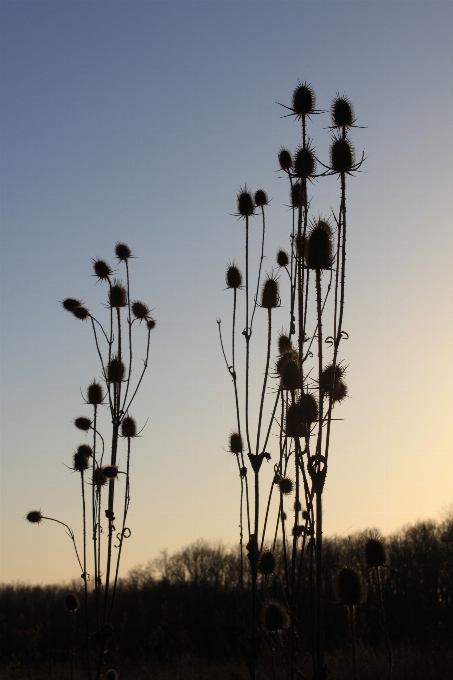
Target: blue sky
(138, 121)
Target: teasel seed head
(294, 427)
(129, 427)
(116, 370)
(342, 155)
(99, 479)
(289, 373)
(295, 195)
(82, 423)
(301, 246)
(304, 163)
(70, 304)
(122, 251)
(233, 276)
(286, 485)
(331, 378)
(81, 313)
(275, 617)
(304, 100)
(71, 602)
(102, 269)
(85, 450)
(261, 198)
(305, 514)
(285, 159)
(269, 294)
(375, 553)
(236, 443)
(267, 563)
(80, 462)
(309, 408)
(284, 343)
(297, 506)
(151, 324)
(140, 310)
(35, 516)
(95, 394)
(110, 471)
(246, 207)
(342, 112)
(349, 587)
(318, 251)
(117, 295)
(282, 258)
(111, 675)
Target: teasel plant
(104, 513)
(309, 381)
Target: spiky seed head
(117, 295)
(267, 563)
(95, 394)
(349, 587)
(261, 198)
(151, 324)
(122, 251)
(80, 462)
(102, 269)
(115, 370)
(284, 343)
(304, 100)
(297, 506)
(282, 258)
(340, 392)
(297, 530)
(309, 408)
(85, 450)
(233, 277)
(81, 313)
(110, 471)
(269, 294)
(290, 375)
(70, 304)
(82, 423)
(275, 617)
(342, 155)
(129, 427)
(294, 427)
(375, 553)
(332, 382)
(284, 358)
(305, 514)
(35, 516)
(71, 602)
(246, 207)
(285, 159)
(236, 443)
(111, 675)
(140, 310)
(99, 479)
(342, 112)
(318, 252)
(286, 485)
(304, 163)
(295, 195)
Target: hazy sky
(139, 121)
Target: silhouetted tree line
(190, 602)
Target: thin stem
(259, 270)
(247, 333)
(94, 519)
(71, 536)
(266, 373)
(387, 639)
(85, 585)
(127, 499)
(352, 631)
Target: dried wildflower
(295, 195)
(301, 245)
(110, 471)
(289, 372)
(275, 617)
(332, 382)
(35, 516)
(82, 423)
(117, 295)
(284, 343)
(111, 675)
(304, 100)
(140, 310)
(70, 304)
(151, 324)
(81, 313)
(342, 112)
(233, 276)
(85, 450)
(375, 553)
(95, 393)
(282, 258)
(129, 427)
(318, 253)
(297, 530)
(102, 269)
(269, 294)
(309, 407)
(80, 462)
(342, 155)
(285, 159)
(294, 427)
(286, 485)
(71, 602)
(123, 252)
(115, 370)
(236, 443)
(261, 198)
(349, 587)
(304, 163)
(99, 479)
(246, 207)
(267, 563)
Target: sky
(139, 122)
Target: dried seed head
(275, 617)
(35, 516)
(375, 553)
(151, 324)
(269, 294)
(285, 159)
(342, 155)
(111, 675)
(318, 252)
(117, 295)
(309, 408)
(236, 443)
(81, 462)
(261, 198)
(233, 277)
(99, 479)
(342, 112)
(297, 506)
(122, 251)
(304, 100)
(304, 163)
(332, 382)
(246, 206)
(294, 427)
(116, 370)
(102, 269)
(301, 246)
(286, 485)
(349, 587)
(85, 450)
(81, 313)
(70, 304)
(82, 423)
(282, 258)
(284, 343)
(297, 530)
(289, 372)
(95, 393)
(129, 427)
(71, 602)
(295, 195)
(267, 563)
(110, 471)
(140, 310)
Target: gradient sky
(139, 121)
